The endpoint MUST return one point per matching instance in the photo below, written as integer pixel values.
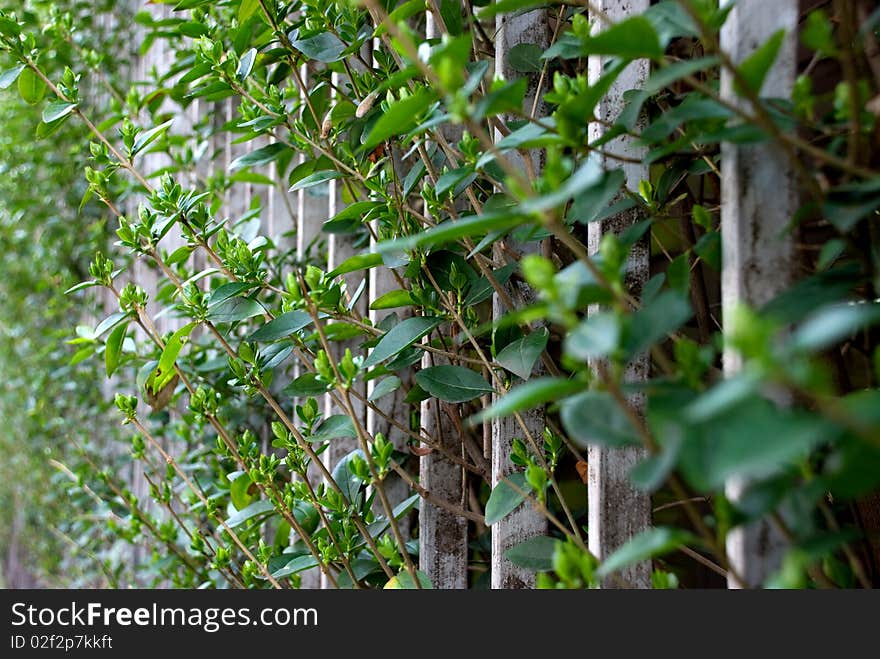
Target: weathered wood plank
(616, 511)
(524, 522)
(758, 199)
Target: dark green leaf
(234, 309)
(595, 418)
(316, 178)
(323, 47)
(453, 384)
(525, 58)
(282, 326)
(257, 157)
(519, 356)
(535, 554)
(334, 427)
(504, 499)
(385, 386)
(255, 509)
(401, 336)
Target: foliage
(239, 362)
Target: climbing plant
(237, 362)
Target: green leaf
(296, 565)
(392, 300)
(476, 225)
(595, 418)
(401, 117)
(253, 510)
(535, 554)
(31, 87)
(650, 543)
(307, 384)
(652, 323)
(257, 157)
(519, 356)
(525, 58)
(833, 324)
(234, 309)
(755, 67)
(504, 499)
(401, 336)
(316, 178)
(282, 326)
(404, 581)
(357, 262)
(384, 387)
(238, 490)
(165, 368)
(598, 335)
(587, 205)
(10, 75)
(57, 110)
(526, 396)
(345, 478)
(113, 349)
(108, 322)
(246, 9)
(246, 64)
(323, 47)
(147, 137)
(632, 38)
(334, 427)
(351, 217)
(453, 384)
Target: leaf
(832, 324)
(633, 38)
(526, 396)
(108, 322)
(404, 581)
(399, 118)
(345, 479)
(235, 309)
(246, 64)
(755, 67)
(246, 9)
(239, 490)
(647, 544)
(113, 349)
(535, 554)
(57, 110)
(595, 418)
(445, 232)
(587, 205)
(10, 75)
(519, 356)
(653, 322)
(453, 384)
(384, 387)
(31, 88)
(282, 326)
(307, 384)
(257, 508)
(165, 368)
(525, 58)
(598, 335)
(392, 300)
(145, 138)
(357, 262)
(226, 291)
(401, 336)
(296, 565)
(334, 427)
(504, 499)
(257, 157)
(323, 47)
(316, 178)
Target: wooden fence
(758, 196)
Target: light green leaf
(246, 64)
(323, 47)
(453, 384)
(833, 324)
(57, 110)
(165, 368)
(598, 335)
(526, 396)
(113, 349)
(147, 137)
(31, 88)
(357, 262)
(255, 509)
(650, 543)
(755, 67)
(392, 300)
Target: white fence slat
(524, 522)
(758, 199)
(616, 510)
